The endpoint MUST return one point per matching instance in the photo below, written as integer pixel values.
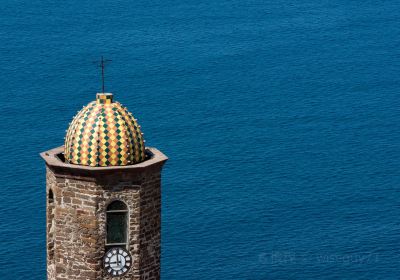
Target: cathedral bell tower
(103, 198)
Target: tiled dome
(104, 133)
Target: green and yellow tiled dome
(104, 133)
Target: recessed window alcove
(117, 225)
(50, 225)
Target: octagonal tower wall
(77, 199)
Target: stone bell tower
(103, 198)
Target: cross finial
(102, 66)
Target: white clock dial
(117, 261)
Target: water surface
(281, 120)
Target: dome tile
(104, 133)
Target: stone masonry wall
(76, 223)
(150, 228)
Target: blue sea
(281, 120)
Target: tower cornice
(54, 160)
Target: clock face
(117, 261)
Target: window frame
(126, 243)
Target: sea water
(280, 118)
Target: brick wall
(76, 219)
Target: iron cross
(102, 66)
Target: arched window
(117, 224)
(50, 225)
(51, 197)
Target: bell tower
(103, 198)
